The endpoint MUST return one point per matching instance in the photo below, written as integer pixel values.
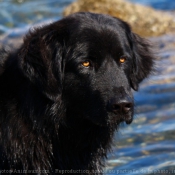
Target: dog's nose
(120, 105)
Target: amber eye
(86, 63)
(122, 59)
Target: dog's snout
(120, 105)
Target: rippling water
(147, 146)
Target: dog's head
(91, 62)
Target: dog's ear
(143, 59)
(41, 61)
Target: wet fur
(52, 111)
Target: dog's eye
(86, 63)
(122, 59)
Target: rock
(143, 20)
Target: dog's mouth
(121, 118)
(111, 119)
(126, 120)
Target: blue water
(22, 14)
(147, 146)
(158, 4)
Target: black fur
(57, 114)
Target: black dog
(65, 91)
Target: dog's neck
(81, 155)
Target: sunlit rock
(144, 20)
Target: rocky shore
(143, 20)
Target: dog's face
(95, 60)
(97, 84)
(97, 75)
